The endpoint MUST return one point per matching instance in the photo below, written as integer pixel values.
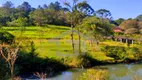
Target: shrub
(118, 53)
(93, 74)
(84, 60)
(6, 37)
(4, 70)
(122, 53)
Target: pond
(116, 72)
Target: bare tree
(40, 75)
(9, 53)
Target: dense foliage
(122, 53)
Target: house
(117, 29)
(123, 39)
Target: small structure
(117, 29)
(124, 39)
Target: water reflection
(125, 71)
(116, 72)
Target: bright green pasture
(34, 32)
(48, 45)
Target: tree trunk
(79, 44)
(12, 73)
(11, 70)
(72, 39)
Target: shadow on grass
(29, 62)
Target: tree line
(53, 13)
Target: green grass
(46, 39)
(35, 32)
(47, 45)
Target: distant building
(117, 29)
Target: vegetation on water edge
(94, 74)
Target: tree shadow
(29, 62)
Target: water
(116, 72)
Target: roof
(117, 29)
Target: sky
(118, 8)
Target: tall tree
(95, 28)
(38, 16)
(103, 13)
(79, 10)
(25, 6)
(8, 4)
(5, 13)
(45, 6)
(55, 6)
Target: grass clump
(94, 74)
(84, 61)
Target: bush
(122, 53)
(4, 70)
(6, 37)
(84, 60)
(93, 74)
(118, 53)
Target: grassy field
(51, 41)
(34, 32)
(55, 41)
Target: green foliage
(55, 6)
(117, 53)
(6, 37)
(94, 74)
(139, 17)
(119, 21)
(83, 60)
(4, 70)
(96, 27)
(20, 22)
(103, 13)
(29, 62)
(122, 53)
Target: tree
(25, 7)
(140, 24)
(131, 31)
(78, 10)
(38, 16)
(129, 24)
(5, 13)
(9, 53)
(19, 22)
(39, 7)
(85, 8)
(139, 17)
(119, 21)
(96, 28)
(8, 4)
(104, 14)
(55, 6)
(45, 6)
